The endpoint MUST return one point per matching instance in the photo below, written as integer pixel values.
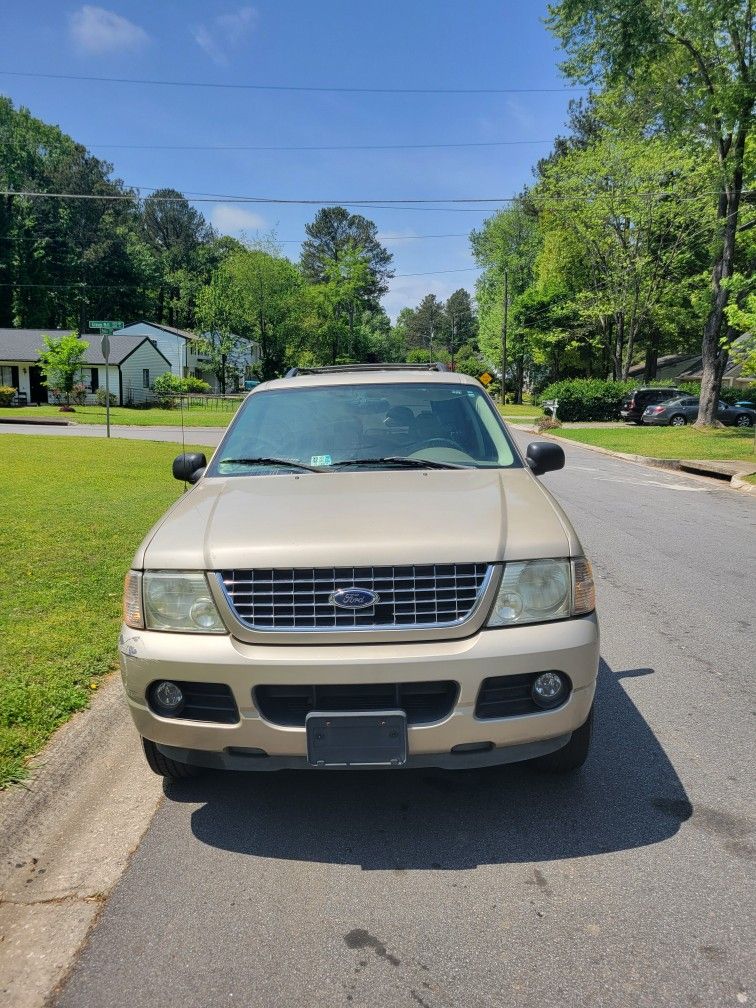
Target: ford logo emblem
(353, 598)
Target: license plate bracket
(342, 739)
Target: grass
(669, 442)
(194, 416)
(74, 511)
(514, 410)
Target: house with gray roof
(184, 350)
(134, 364)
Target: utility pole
(453, 337)
(430, 346)
(504, 321)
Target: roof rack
(348, 368)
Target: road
(631, 884)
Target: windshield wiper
(269, 461)
(403, 460)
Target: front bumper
(570, 646)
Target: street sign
(107, 326)
(486, 378)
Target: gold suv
(366, 573)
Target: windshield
(364, 426)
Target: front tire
(164, 766)
(572, 756)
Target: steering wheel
(441, 442)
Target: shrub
(78, 393)
(100, 396)
(168, 387)
(547, 423)
(6, 395)
(588, 398)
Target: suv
(366, 573)
(640, 399)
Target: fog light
(168, 696)
(548, 689)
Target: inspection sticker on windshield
(321, 460)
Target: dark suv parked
(632, 408)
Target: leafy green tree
(689, 65)
(460, 322)
(335, 234)
(60, 362)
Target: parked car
(321, 598)
(634, 406)
(680, 412)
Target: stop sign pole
(105, 345)
(106, 329)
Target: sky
(433, 44)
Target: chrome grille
(293, 599)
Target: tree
(216, 310)
(460, 323)
(426, 325)
(334, 234)
(60, 362)
(689, 65)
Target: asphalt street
(630, 884)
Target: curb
(738, 483)
(735, 482)
(66, 836)
(35, 423)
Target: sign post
(106, 330)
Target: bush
(100, 396)
(168, 387)
(547, 423)
(588, 398)
(78, 393)
(6, 395)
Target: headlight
(181, 601)
(534, 591)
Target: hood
(359, 519)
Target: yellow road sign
(486, 378)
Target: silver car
(679, 412)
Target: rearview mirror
(544, 456)
(189, 466)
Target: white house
(181, 348)
(134, 364)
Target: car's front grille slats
(293, 599)
(423, 702)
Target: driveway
(631, 884)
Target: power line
(318, 147)
(84, 285)
(289, 87)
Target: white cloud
(230, 219)
(219, 37)
(96, 30)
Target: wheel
(573, 755)
(164, 766)
(678, 420)
(743, 421)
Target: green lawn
(513, 410)
(669, 442)
(73, 512)
(194, 416)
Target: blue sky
(337, 43)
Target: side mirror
(189, 466)
(544, 456)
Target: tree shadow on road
(627, 795)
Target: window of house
(145, 377)
(94, 379)
(6, 375)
